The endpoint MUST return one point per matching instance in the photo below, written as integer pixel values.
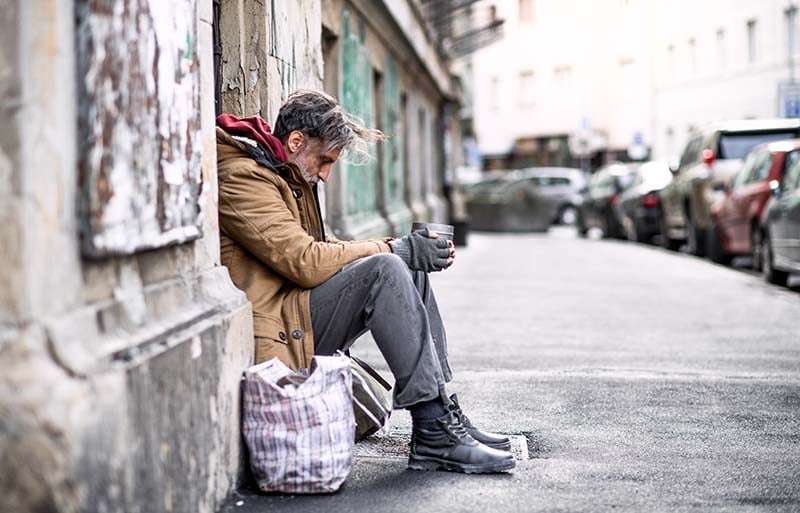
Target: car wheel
(771, 274)
(695, 239)
(568, 215)
(666, 241)
(755, 248)
(641, 235)
(629, 227)
(714, 248)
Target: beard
(302, 163)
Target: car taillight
(650, 200)
(708, 157)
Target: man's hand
(452, 257)
(424, 251)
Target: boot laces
(457, 428)
(461, 415)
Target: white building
(603, 75)
(720, 59)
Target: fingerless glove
(420, 252)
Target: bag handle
(372, 372)
(366, 411)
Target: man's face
(313, 160)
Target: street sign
(789, 100)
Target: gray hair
(319, 115)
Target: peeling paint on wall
(139, 123)
(357, 90)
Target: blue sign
(791, 107)
(789, 100)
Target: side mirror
(674, 165)
(775, 188)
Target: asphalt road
(642, 380)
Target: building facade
(577, 82)
(721, 60)
(122, 338)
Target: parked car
(780, 227)
(736, 217)
(708, 162)
(600, 199)
(638, 205)
(525, 200)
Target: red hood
(254, 128)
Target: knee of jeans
(390, 264)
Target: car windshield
(549, 181)
(738, 145)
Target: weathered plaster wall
(119, 377)
(269, 49)
(139, 124)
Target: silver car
(526, 200)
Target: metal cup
(444, 231)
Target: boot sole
(428, 464)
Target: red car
(735, 218)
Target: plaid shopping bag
(299, 426)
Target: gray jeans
(380, 294)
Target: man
(313, 294)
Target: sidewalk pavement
(632, 379)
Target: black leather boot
(445, 444)
(493, 440)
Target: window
(494, 93)
(791, 179)
(761, 171)
(549, 181)
(526, 11)
(692, 151)
(751, 41)
(671, 60)
(743, 175)
(721, 54)
(562, 73)
(626, 71)
(790, 15)
(525, 92)
(791, 164)
(736, 145)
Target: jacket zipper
(315, 192)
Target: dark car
(709, 161)
(601, 197)
(780, 227)
(638, 205)
(736, 217)
(525, 200)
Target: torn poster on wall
(139, 124)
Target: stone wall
(119, 375)
(269, 49)
(120, 357)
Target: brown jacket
(271, 241)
